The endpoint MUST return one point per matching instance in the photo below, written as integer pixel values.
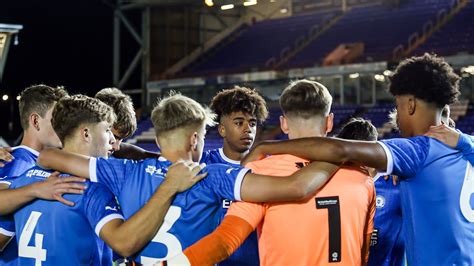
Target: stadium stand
(378, 27)
(454, 37)
(381, 31)
(241, 51)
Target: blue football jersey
(436, 188)
(193, 213)
(387, 247)
(247, 253)
(466, 145)
(25, 158)
(51, 233)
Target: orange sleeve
(252, 213)
(221, 243)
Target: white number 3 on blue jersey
(466, 192)
(163, 237)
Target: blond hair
(177, 111)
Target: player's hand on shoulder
(445, 134)
(5, 155)
(182, 175)
(54, 187)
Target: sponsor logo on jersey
(110, 208)
(152, 170)
(301, 164)
(226, 204)
(38, 173)
(374, 238)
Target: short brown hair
(239, 99)
(305, 99)
(176, 111)
(38, 99)
(126, 123)
(71, 112)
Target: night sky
(63, 42)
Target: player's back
(193, 214)
(51, 233)
(25, 158)
(387, 247)
(437, 205)
(326, 229)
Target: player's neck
(299, 133)
(175, 155)
(422, 123)
(31, 140)
(76, 147)
(232, 154)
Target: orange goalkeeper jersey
(328, 229)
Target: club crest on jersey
(379, 201)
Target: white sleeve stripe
(238, 183)
(388, 153)
(93, 169)
(6, 232)
(105, 220)
(5, 182)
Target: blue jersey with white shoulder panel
(25, 158)
(387, 247)
(193, 213)
(51, 233)
(247, 253)
(436, 188)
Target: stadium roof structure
(10, 28)
(7, 31)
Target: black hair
(358, 129)
(428, 77)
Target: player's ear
(194, 140)
(33, 120)
(411, 105)
(86, 134)
(284, 124)
(329, 122)
(221, 130)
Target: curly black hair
(239, 99)
(428, 77)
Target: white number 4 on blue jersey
(35, 252)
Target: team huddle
(74, 194)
